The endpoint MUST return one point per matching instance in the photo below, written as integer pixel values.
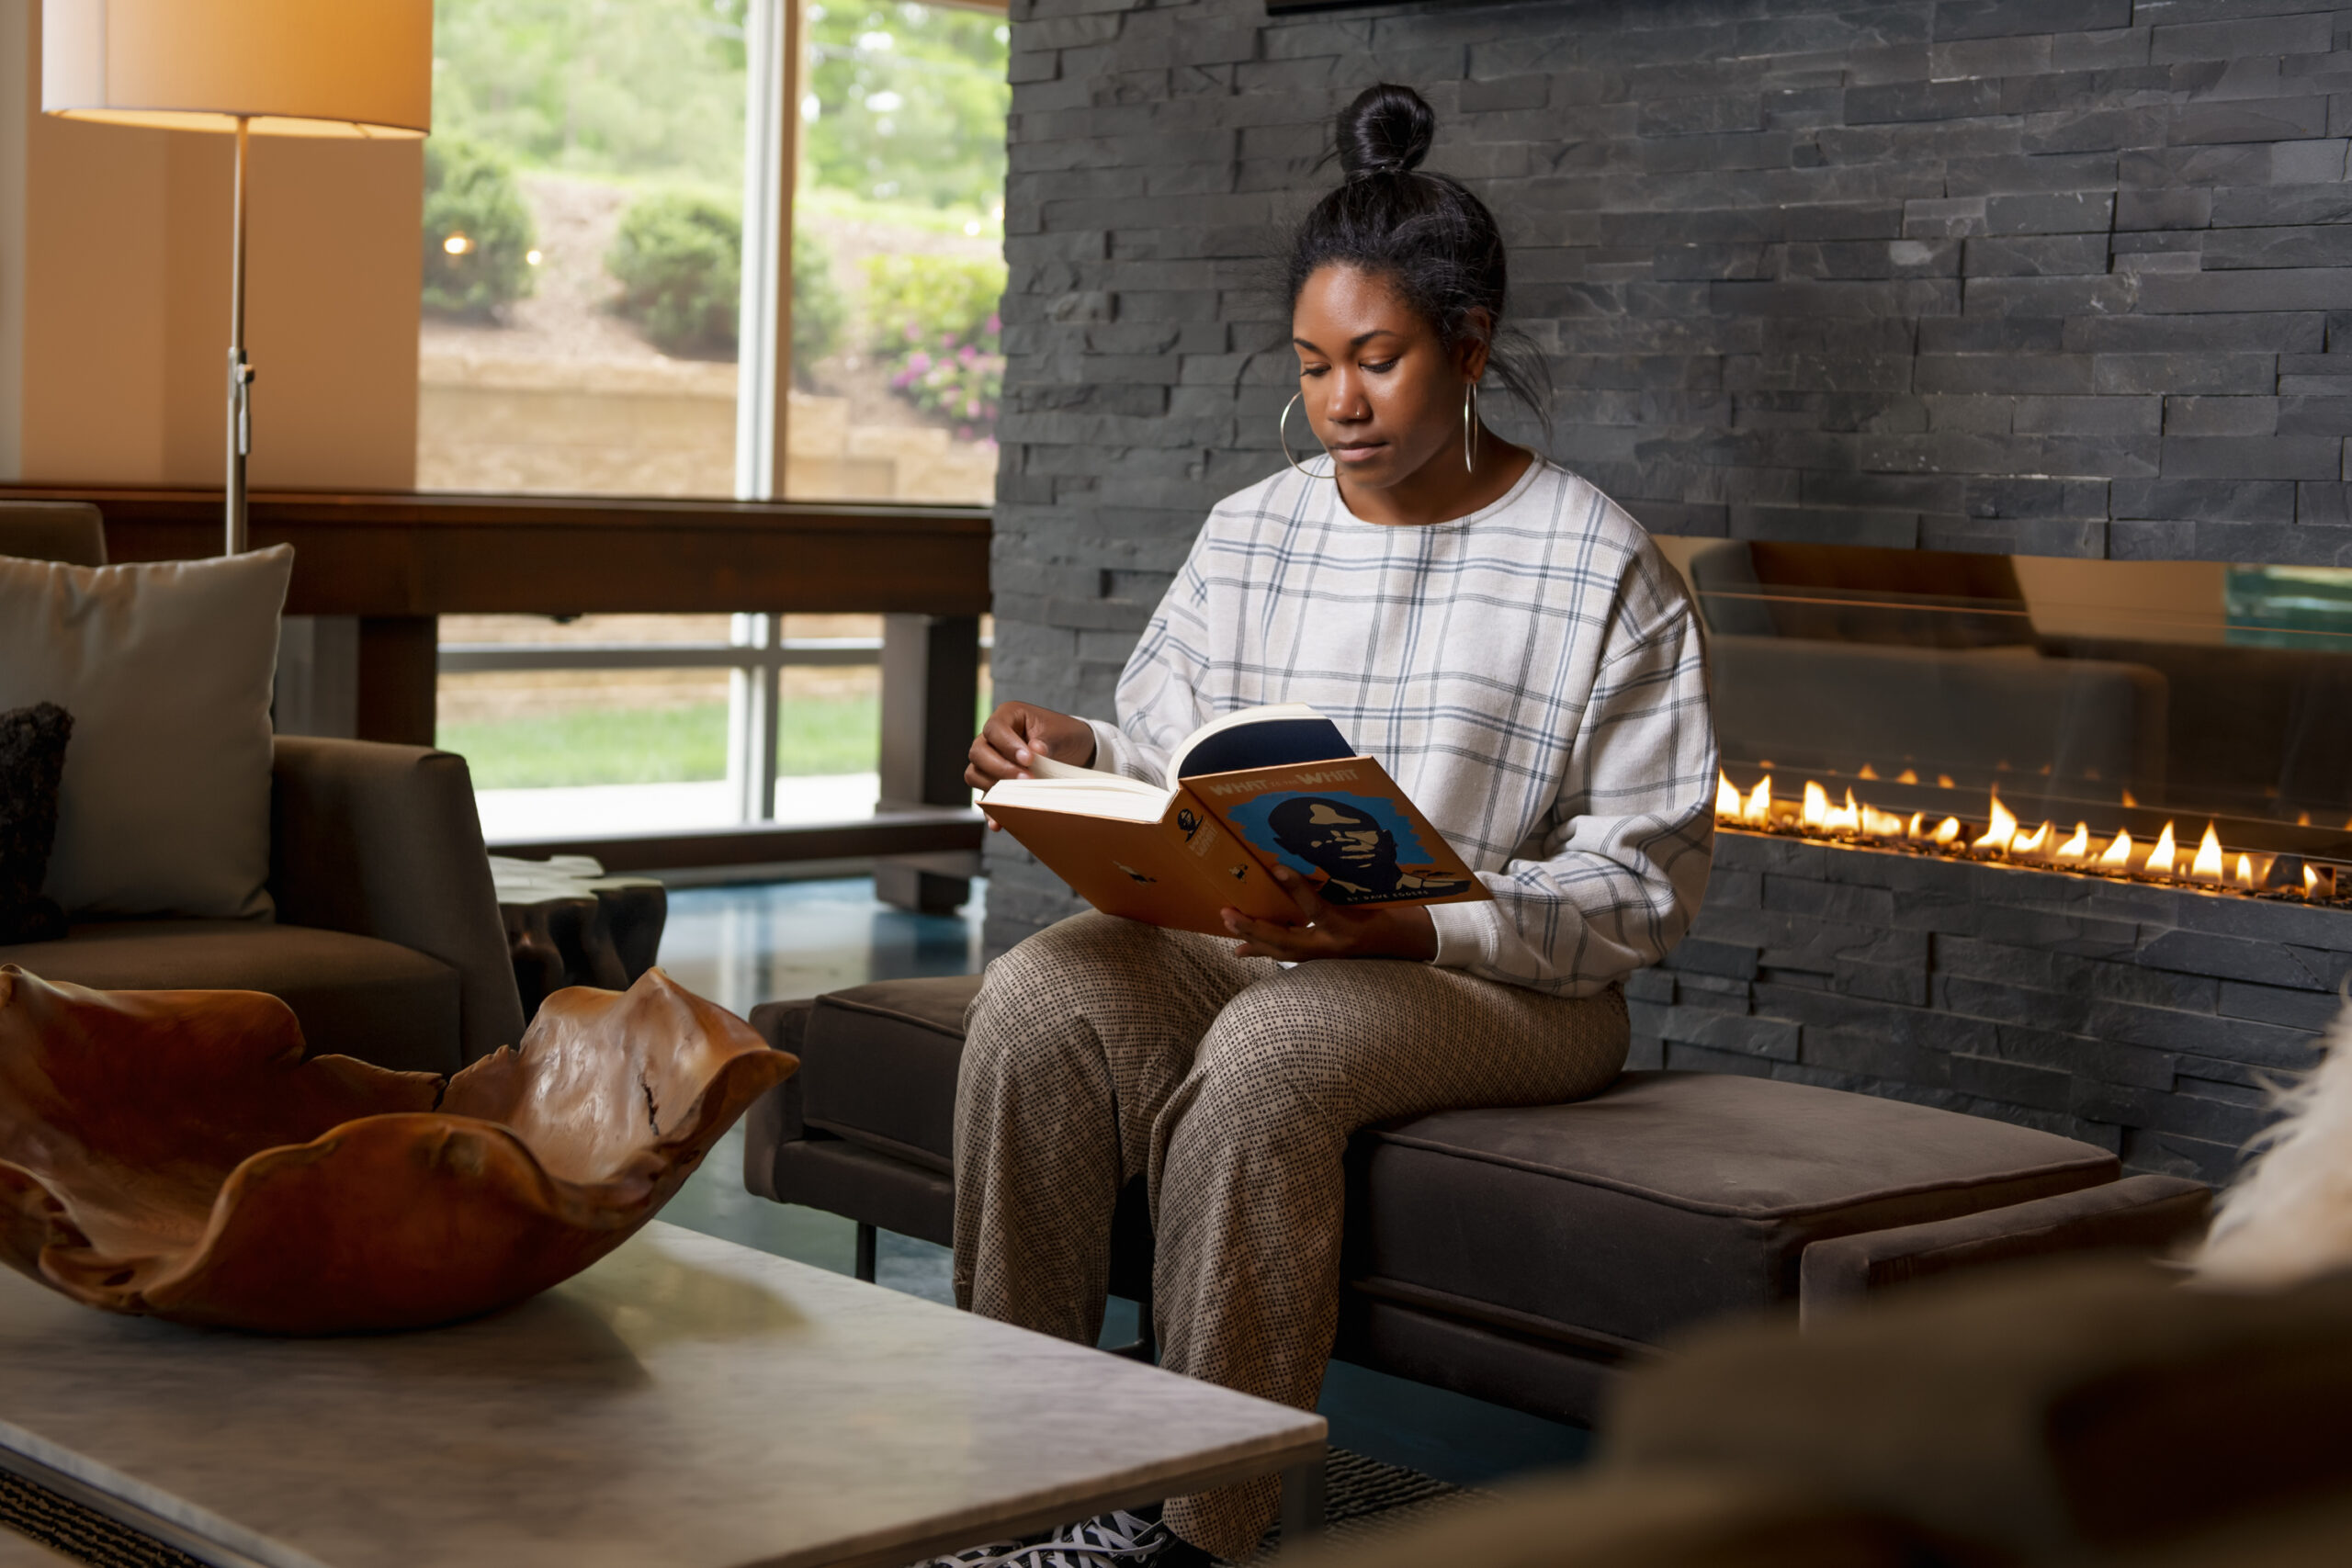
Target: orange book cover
(1180, 870)
(1345, 826)
(1258, 788)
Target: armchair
(387, 943)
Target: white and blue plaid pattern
(1530, 674)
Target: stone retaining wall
(663, 428)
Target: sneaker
(973, 1556)
(1119, 1540)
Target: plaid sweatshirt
(1530, 674)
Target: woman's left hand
(1327, 930)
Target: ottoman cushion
(1669, 1197)
(878, 1066)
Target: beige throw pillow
(166, 670)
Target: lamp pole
(240, 374)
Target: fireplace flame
(1882, 824)
(1817, 815)
(2208, 855)
(2002, 833)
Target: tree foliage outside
(907, 102)
(934, 320)
(470, 198)
(634, 88)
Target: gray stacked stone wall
(2143, 1018)
(2059, 276)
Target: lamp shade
(292, 67)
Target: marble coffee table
(21, 1552)
(687, 1401)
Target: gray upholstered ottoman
(1519, 1255)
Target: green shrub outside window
(679, 260)
(478, 235)
(819, 310)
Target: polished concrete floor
(745, 945)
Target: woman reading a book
(1509, 645)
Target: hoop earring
(1470, 426)
(1282, 433)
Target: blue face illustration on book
(1350, 842)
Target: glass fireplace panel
(2112, 696)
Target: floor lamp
(333, 68)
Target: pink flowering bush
(936, 325)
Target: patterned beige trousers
(1101, 1048)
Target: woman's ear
(1476, 343)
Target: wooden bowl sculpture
(173, 1154)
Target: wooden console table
(396, 560)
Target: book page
(1045, 767)
(1089, 793)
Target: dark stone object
(568, 923)
(32, 760)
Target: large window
(623, 723)
(596, 321)
(898, 256)
(588, 267)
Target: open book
(1256, 789)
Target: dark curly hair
(1424, 233)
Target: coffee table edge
(899, 1552)
(198, 1532)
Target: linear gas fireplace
(2180, 723)
(2067, 842)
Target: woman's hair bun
(1386, 130)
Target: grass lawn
(598, 746)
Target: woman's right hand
(1017, 733)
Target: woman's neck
(1441, 490)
